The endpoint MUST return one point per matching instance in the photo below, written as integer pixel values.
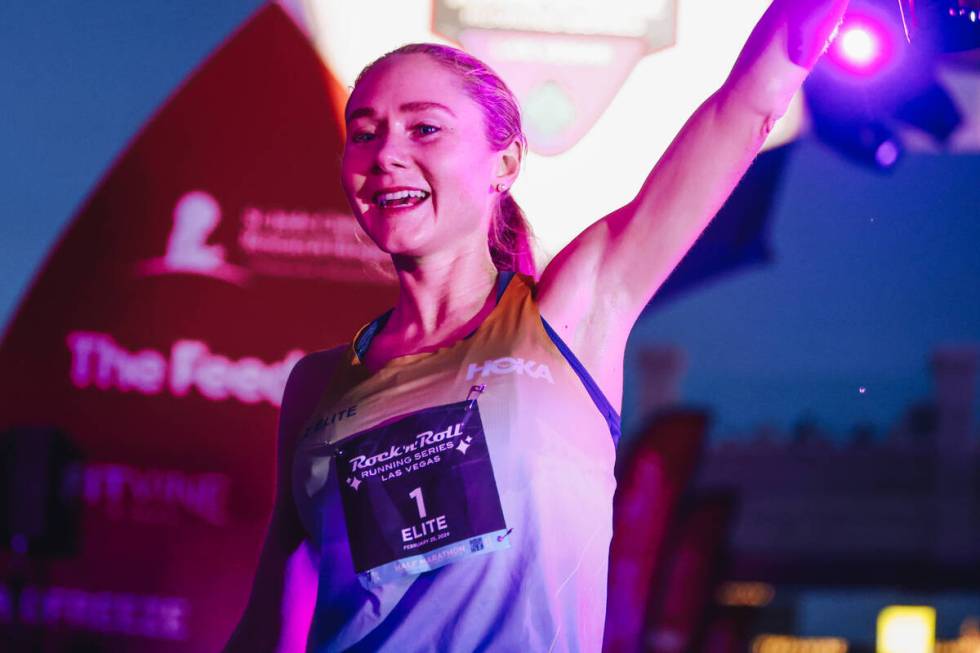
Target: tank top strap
(364, 337)
(598, 397)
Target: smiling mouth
(400, 198)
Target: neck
(441, 294)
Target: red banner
(679, 613)
(157, 339)
(654, 475)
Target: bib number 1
(419, 493)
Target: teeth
(385, 199)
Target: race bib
(419, 493)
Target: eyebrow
(408, 107)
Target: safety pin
(477, 390)
(326, 449)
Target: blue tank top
(461, 500)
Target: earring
(501, 188)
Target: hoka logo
(510, 365)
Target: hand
(812, 24)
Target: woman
(451, 469)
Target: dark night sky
(871, 272)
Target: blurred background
(801, 445)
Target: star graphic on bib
(354, 482)
(464, 445)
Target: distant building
(904, 509)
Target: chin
(393, 236)
(399, 244)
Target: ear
(509, 164)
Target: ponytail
(510, 238)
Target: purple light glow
(865, 46)
(887, 154)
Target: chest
(512, 382)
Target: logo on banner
(115, 613)
(269, 242)
(196, 215)
(155, 496)
(310, 245)
(564, 59)
(98, 361)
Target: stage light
(906, 629)
(865, 46)
(790, 644)
(887, 152)
(860, 46)
(870, 81)
(756, 595)
(944, 25)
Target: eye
(361, 137)
(424, 129)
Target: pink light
(860, 46)
(865, 46)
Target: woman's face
(417, 168)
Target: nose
(390, 154)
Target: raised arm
(596, 287)
(280, 606)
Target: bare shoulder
(313, 367)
